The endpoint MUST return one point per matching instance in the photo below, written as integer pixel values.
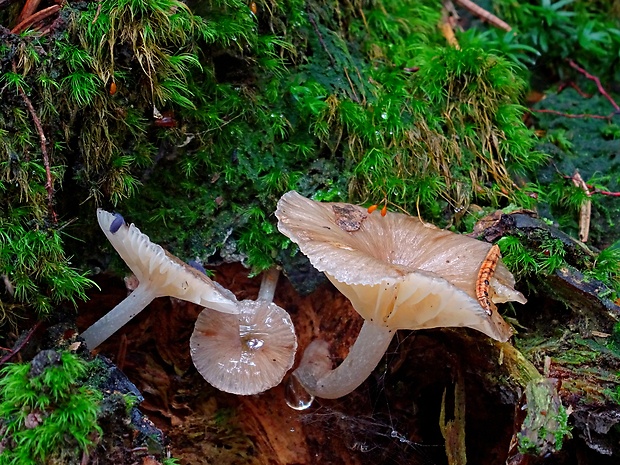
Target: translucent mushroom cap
(396, 270)
(246, 353)
(164, 272)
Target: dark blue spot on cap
(117, 222)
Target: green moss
(46, 414)
(35, 267)
(545, 426)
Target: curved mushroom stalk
(159, 274)
(315, 373)
(399, 273)
(118, 317)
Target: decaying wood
(513, 389)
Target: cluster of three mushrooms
(397, 271)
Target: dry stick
(355, 97)
(97, 13)
(597, 81)
(39, 16)
(586, 207)
(21, 344)
(484, 14)
(318, 33)
(28, 10)
(592, 189)
(49, 184)
(569, 115)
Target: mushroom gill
(159, 274)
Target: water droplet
(384, 115)
(254, 343)
(296, 396)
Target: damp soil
(392, 418)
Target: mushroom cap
(165, 273)
(397, 270)
(246, 353)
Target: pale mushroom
(159, 274)
(248, 352)
(399, 273)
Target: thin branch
(318, 33)
(484, 14)
(20, 344)
(570, 115)
(28, 10)
(597, 81)
(35, 18)
(49, 184)
(585, 211)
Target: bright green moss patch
(47, 416)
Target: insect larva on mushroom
(484, 276)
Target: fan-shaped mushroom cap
(159, 274)
(246, 353)
(164, 272)
(398, 271)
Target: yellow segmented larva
(484, 276)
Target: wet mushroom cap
(166, 273)
(246, 353)
(397, 270)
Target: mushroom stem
(315, 373)
(120, 315)
(268, 284)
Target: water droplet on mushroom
(296, 396)
(254, 343)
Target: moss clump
(545, 427)
(47, 416)
(36, 271)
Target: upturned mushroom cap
(396, 270)
(159, 274)
(246, 353)
(162, 271)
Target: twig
(608, 193)
(484, 14)
(355, 97)
(597, 81)
(318, 33)
(586, 207)
(569, 115)
(564, 85)
(20, 344)
(592, 188)
(28, 10)
(35, 18)
(97, 13)
(449, 17)
(49, 184)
